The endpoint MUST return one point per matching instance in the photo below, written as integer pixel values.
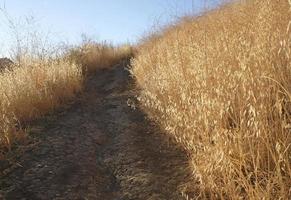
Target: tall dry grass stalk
(33, 89)
(220, 84)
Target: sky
(116, 21)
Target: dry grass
(93, 56)
(33, 89)
(220, 84)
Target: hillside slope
(220, 83)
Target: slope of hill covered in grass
(220, 83)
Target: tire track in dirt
(98, 148)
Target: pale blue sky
(117, 21)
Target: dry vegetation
(220, 84)
(93, 56)
(39, 83)
(31, 90)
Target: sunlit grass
(31, 90)
(221, 85)
(94, 56)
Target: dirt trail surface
(97, 148)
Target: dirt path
(98, 148)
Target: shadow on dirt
(99, 148)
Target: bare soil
(97, 148)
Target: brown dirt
(97, 148)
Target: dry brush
(220, 83)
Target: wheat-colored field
(220, 84)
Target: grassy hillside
(220, 84)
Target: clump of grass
(33, 89)
(220, 84)
(93, 55)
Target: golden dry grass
(33, 89)
(39, 84)
(220, 84)
(93, 56)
